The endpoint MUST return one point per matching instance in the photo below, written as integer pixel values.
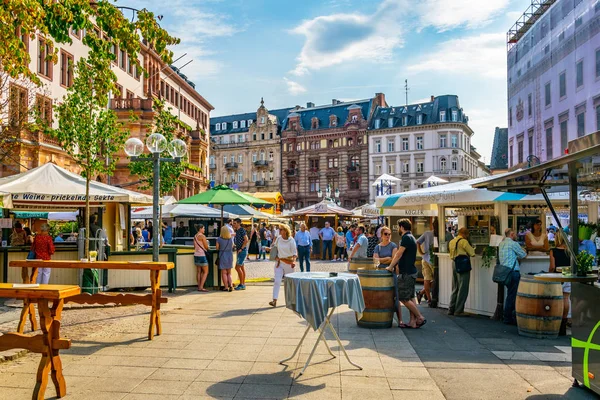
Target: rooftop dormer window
(442, 116)
(454, 116)
(390, 122)
(377, 123)
(419, 119)
(354, 118)
(242, 124)
(249, 123)
(224, 126)
(218, 126)
(404, 120)
(235, 124)
(314, 123)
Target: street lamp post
(156, 144)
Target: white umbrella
(434, 179)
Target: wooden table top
(556, 277)
(52, 292)
(131, 265)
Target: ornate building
(326, 147)
(246, 150)
(135, 94)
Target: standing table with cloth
(314, 296)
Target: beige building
(246, 150)
(135, 94)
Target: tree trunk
(87, 217)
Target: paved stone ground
(226, 345)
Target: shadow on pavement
(273, 385)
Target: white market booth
(484, 213)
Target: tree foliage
(53, 21)
(166, 124)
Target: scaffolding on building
(526, 21)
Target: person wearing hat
(43, 247)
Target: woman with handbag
(225, 258)
(284, 252)
(43, 247)
(200, 246)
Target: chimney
(335, 101)
(432, 98)
(380, 99)
(310, 104)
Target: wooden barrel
(539, 308)
(378, 292)
(356, 263)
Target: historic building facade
(326, 147)
(246, 150)
(553, 78)
(416, 141)
(135, 94)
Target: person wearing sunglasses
(383, 254)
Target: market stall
(274, 198)
(578, 171)
(318, 214)
(485, 213)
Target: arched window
(443, 163)
(354, 161)
(262, 155)
(218, 126)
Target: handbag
(274, 252)
(502, 274)
(462, 263)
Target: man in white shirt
(316, 240)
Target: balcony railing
(131, 104)
(291, 172)
(450, 172)
(260, 183)
(231, 165)
(261, 163)
(212, 166)
(353, 168)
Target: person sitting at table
(384, 254)
(59, 238)
(43, 247)
(537, 240)
(225, 259)
(560, 258)
(285, 261)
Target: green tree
(167, 124)
(87, 130)
(52, 21)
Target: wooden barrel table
(378, 292)
(539, 308)
(356, 263)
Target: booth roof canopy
(52, 187)
(324, 207)
(459, 193)
(180, 211)
(271, 197)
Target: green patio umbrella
(222, 195)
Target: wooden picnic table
(49, 342)
(154, 299)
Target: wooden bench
(154, 299)
(49, 342)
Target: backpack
(17, 238)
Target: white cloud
(445, 15)
(294, 88)
(482, 122)
(483, 55)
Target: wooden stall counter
(153, 300)
(49, 342)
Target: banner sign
(410, 213)
(49, 198)
(321, 208)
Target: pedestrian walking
(241, 247)
(316, 240)
(264, 241)
(425, 246)
(403, 265)
(327, 234)
(254, 249)
(304, 245)
(200, 260)
(340, 244)
(225, 246)
(510, 253)
(460, 246)
(349, 240)
(43, 247)
(285, 261)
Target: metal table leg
(321, 329)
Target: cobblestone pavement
(227, 345)
(264, 269)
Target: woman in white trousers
(285, 261)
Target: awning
(51, 187)
(180, 211)
(272, 197)
(322, 208)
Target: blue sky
(293, 52)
